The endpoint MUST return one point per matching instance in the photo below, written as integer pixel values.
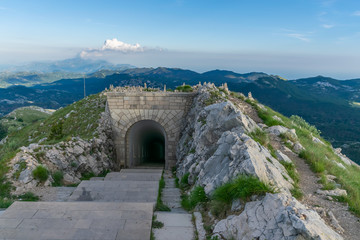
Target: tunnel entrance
(146, 143)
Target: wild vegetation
(76, 120)
(320, 157)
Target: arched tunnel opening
(153, 147)
(146, 142)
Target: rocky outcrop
(276, 216)
(215, 147)
(72, 158)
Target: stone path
(177, 223)
(98, 211)
(309, 185)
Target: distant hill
(332, 105)
(44, 72)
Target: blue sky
(294, 38)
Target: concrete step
(116, 191)
(135, 176)
(176, 225)
(74, 220)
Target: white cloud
(298, 36)
(113, 46)
(356, 13)
(327, 26)
(116, 45)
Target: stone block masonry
(164, 111)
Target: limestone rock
(298, 147)
(336, 192)
(282, 157)
(317, 140)
(276, 216)
(277, 118)
(277, 130)
(335, 222)
(344, 158)
(223, 150)
(236, 205)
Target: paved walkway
(98, 210)
(177, 223)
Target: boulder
(276, 216)
(336, 192)
(298, 147)
(282, 157)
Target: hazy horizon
(293, 39)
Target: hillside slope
(74, 141)
(245, 164)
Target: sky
(293, 39)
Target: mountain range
(43, 72)
(332, 105)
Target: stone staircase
(119, 206)
(177, 223)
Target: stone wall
(168, 109)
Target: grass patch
(241, 188)
(58, 177)
(214, 97)
(184, 182)
(22, 167)
(28, 197)
(40, 173)
(196, 196)
(156, 223)
(160, 206)
(263, 138)
(87, 176)
(317, 162)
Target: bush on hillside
(40, 173)
(56, 131)
(184, 88)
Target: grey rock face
(72, 157)
(215, 147)
(277, 216)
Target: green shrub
(40, 173)
(184, 88)
(56, 131)
(58, 177)
(87, 176)
(3, 131)
(243, 187)
(184, 182)
(196, 196)
(5, 203)
(28, 197)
